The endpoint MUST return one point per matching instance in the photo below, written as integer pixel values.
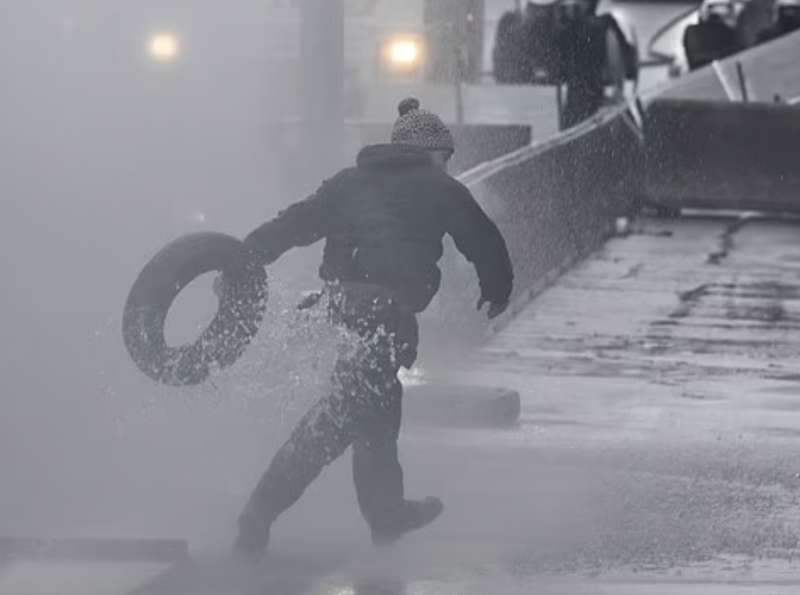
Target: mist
(651, 357)
(108, 154)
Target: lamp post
(322, 83)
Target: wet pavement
(662, 372)
(657, 451)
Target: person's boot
(414, 514)
(251, 544)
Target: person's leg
(377, 473)
(320, 437)
(377, 413)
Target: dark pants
(363, 410)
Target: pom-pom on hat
(421, 128)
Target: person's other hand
(495, 309)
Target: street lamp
(403, 53)
(163, 47)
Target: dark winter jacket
(383, 222)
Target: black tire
(240, 312)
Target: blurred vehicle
(569, 44)
(716, 35)
(786, 20)
(541, 45)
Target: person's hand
(233, 272)
(219, 286)
(495, 309)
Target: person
(715, 36)
(581, 43)
(383, 222)
(539, 44)
(786, 20)
(507, 55)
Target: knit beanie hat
(421, 128)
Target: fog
(107, 154)
(657, 379)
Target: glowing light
(198, 217)
(403, 53)
(164, 47)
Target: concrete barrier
(555, 202)
(712, 154)
(476, 143)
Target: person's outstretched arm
(478, 239)
(301, 224)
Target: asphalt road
(657, 449)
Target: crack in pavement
(726, 240)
